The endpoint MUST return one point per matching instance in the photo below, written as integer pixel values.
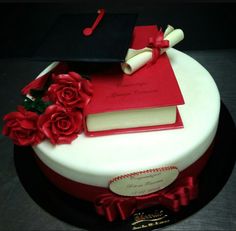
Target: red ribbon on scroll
(156, 44)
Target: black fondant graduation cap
(88, 37)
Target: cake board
(82, 214)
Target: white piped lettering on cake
(144, 182)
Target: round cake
(124, 132)
(95, 161)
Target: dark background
(206, 25)
(209, 29)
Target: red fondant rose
(60, 126)
(70, 90)
(21, 127)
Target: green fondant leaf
(37, 105)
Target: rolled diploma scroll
(174, 37)
(135, 59)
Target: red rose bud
(21, 127)
(60, 125)
(70, 90)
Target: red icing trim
(162, 169)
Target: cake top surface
(97, 160)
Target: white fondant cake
(95, 161)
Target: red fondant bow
(156, 44)
(112, 206)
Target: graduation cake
(124, 127)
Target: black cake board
(81, 214)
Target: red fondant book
(145, 101)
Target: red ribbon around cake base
(112, 206)
(180, 193)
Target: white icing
(96, 160)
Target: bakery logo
(152, 219)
